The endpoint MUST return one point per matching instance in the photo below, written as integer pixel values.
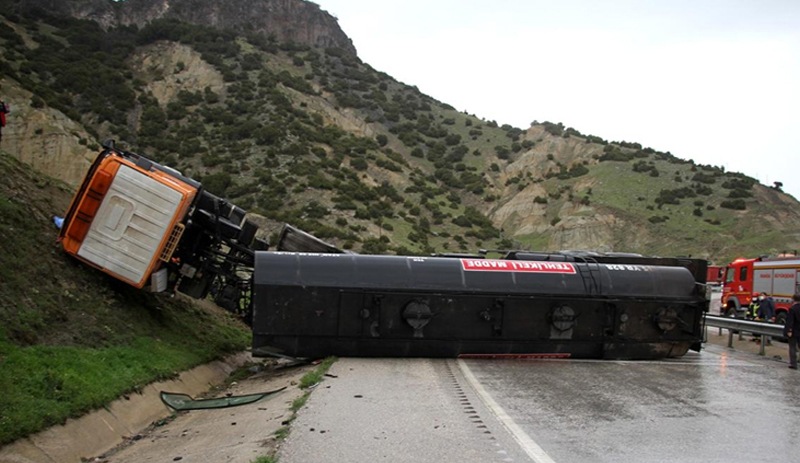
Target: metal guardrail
(738, 325)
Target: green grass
(315, 377)
(299, 402)
(44, 385)
(630, 197)
(266, 459)
(308, 380)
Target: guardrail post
(764, 332)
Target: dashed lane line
(528, 445)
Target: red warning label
(493, 265)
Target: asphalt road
(397, 410)
(717, 405)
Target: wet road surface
(397, 410)
(718, 405)
(714, 406)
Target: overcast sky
(709, 80)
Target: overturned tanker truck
(153, 228)
(540, 305)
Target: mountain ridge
(286, 20)
(370, 163)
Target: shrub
(739, 193)
(643, 166)
(702, 190)
(502, 152)
(735, 204)
(375, 246)
(674, 196)
(452, 139)
(704, 178)
(576, 171)
(358, 164)
(613, 153)
(553, 129)
(740, 183)
(217, 183)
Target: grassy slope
(718, 233)
(71, 339)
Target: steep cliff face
(294, 21)
(45, 138)
(168, 67)
(530, 210)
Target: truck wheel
(730, 312)
(780, 319)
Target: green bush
(735, 204)
(702, 177)
(217, 183)
(502, 152)
(739, 193)
(359, 164)
(738, 183)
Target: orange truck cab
(142, 222)
(127, 218)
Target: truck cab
(146, 224)
(737, 288)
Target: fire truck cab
(746, 278)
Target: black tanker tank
(523, 305)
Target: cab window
(743, 274)
(729, 274)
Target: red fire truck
(715, 275)
(746, 278)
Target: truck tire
(780, 319)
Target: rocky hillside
(267, 103)
(287, 21)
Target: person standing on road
(766, 312)
(792, 330)
(766, 308)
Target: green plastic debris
(182, 402)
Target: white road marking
(534, 451)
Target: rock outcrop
(45, 138)
(293, 21)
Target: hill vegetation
(315, 137)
